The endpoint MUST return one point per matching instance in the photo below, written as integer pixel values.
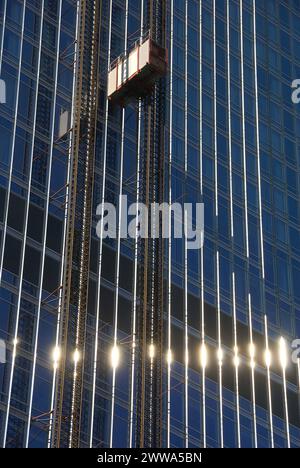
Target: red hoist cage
(133, 75)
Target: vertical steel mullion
(65, 224)
(286, 409)
(261, 220)
(298, 372)
(101, 233)
(268, 364)
(236, 362)
(247, 221)
(153, 222)
(244, 129)
(152, 269)
(200, 98)
(134, 318)
(3, 33)
(298, 366)
(113, 392)
(45, 222)
(252, 365)
(25, 223)
(283, 359)
(186, 340)
(136, 248)
(229, 120)
(169, 336)
(6, 209)
(203, 348)
(215, 110)
(220, 352)
(258, 142)
(202, 314)
(236, 357)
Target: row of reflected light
(115, 355)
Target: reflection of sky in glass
(223, 152)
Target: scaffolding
(73, 308)
(69, 383)
(150, 313)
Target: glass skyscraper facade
(231, 309)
